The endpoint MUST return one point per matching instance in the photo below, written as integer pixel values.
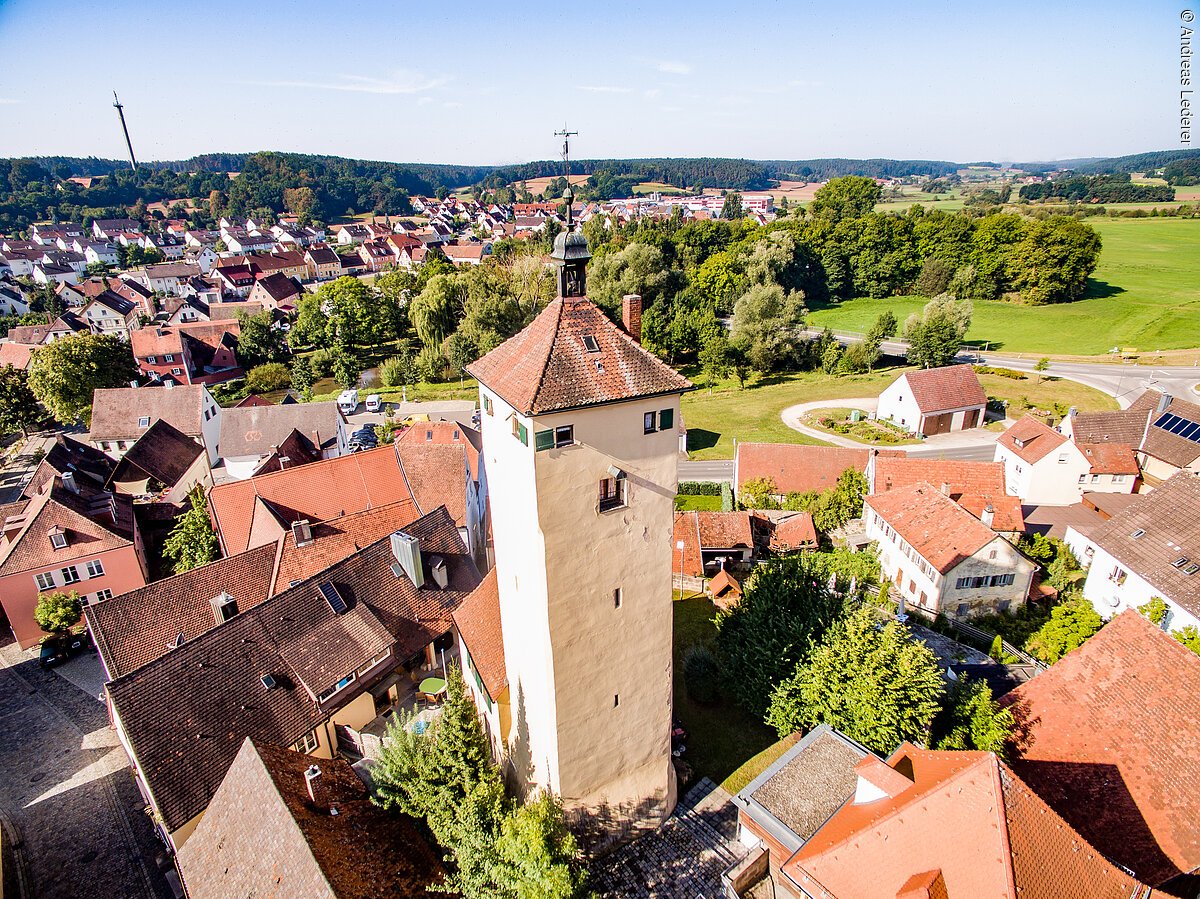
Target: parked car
(348, 401)
(374, 402)
(63, 647)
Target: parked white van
(374, 402)
(348, 401)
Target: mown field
(1144, 294)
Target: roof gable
(946, 388)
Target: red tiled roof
(1110, 458)
(796, 467)
(1108, 737)
(547, 366)
(16, 354)
(708, 530)
(973, 485)
(952, 824)
(446, 432)
(795, 532)
(155, 341)
(1031, 439)
(933, 524)
(943, 389)
(478, 622)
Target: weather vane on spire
(566, 155)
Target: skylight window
(1180, 562)
(1138, 533)
(1192, 568)
(144, 421)
(591, 344)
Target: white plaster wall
(1109, 598)
(1048, 481)
(897, 404)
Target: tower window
(612, 493)
(520, 431)
(617, 598)
(616, 700)
(649, 422)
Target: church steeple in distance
(570, 247)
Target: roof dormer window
(58, 538)
(144, 421)
(591, 344)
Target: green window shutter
(666, 418)
(523, 434)
(543, 440)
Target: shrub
(57, 612)
(268, 377)
(322, 363)
(1070, 625)
(701, 674)
(699, 488)
(397, 371)
(1009, 373)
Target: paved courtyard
(72, 816)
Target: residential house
(203, 257)
(250, 435)
(103, 228)
(979, 487)
(290, 263)
(66, 325)
(1150, 549)
(328, 839)
(95, 253)
(1044, 467)
(277, 291)
(348, 235)
(88, 466)
(377, 256)
(795, 533)
(202, 352)
(1106, 737)
(138, 294)
(797, 468)
(121, 415)
(30, 335)
(450, 432)
(934, 400)
(831, 819)
(164, 464)
(708, 542)
(237, 280)
(69, 536)
(942, 559)
(41, 232)
(481, 658)
(249, 512)
(13, 300)
(467, 254)
(18, 355)
(323, 262)
(50, 273)
(311, 668)
(166, 277)
(112, 314)
(243, 242)
(1162, 430)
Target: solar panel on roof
(333, 597)
(1191, 431)
(1181, 427)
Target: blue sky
(474, 82)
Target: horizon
(1019, 83)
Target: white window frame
(95, 568)
(70, 575)
(58, 541)
(44, 580)
(104, 594)
(310, 742)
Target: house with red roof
(1107, 738)
(934, 400)
(940, 558)
(1043, 467)
(831, 820)
(979, 487)
(708, 542)
(796, 467)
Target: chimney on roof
(224, 607)
(437, 570)
(631, 316)
(406, 550)
(312, 780)
(945, 488)
(1163, 401)
(1072, 412)
(302, 532)
(68, 481)
(989, 514)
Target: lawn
(1029, 393)
(687, 503)
(721, 737)
(1144, 294)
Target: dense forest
(1117, 188)
(1138, 162)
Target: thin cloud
(400, 82)
(803, 83)
(605, 89)
(424, 101)
(652, 93)
(5, 101)
(672, 67)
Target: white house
(1150, 549)
(941, 558)
(934, 400)
(1043, 467)
(12, 300)
(166, 277)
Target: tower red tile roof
(1108, 737)
(548, 366)
(946, 388)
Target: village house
(708, 542)
(202, 352)
(69, 536)
(110, 313)
(1044, 467)
(942, 559)
(1107, 738)
(236, 279)
(1150, 549)
(466, 254)
(314, 667)
(323, 263)
(831, 819)
(328, 839)
(163, 465)
(795, 467)
(13, 300)
(165, 277)
(251, 435)
(793, 533)
(979, 487)
(121, 415)
(276, 291)
(102, 228)
(934, 400)
(138, 294)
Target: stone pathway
(73, 818)
(681, 860)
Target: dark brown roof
(478, 622)
(295, 450)
(116, 411)
(362, 851)
(1170, 530)
(1107, 737)
(259, 430)
(187, 713)
(68, 454)
(163, 454)
(547, 367)
(943, 389)
(280, 287)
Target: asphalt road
(708, 470)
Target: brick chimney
(631, 316)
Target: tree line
(1116, 188)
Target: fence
(978, 634)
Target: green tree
(637, 269)
(1071, 624)
(766, 325)
(1054, 261)
(538, 855)
(58, 612)
(875, 684)
(715, 359)
(1040, 366)
(347, 369)
(1189, 636)
(935, 337)
(259, 341)
(731, 208)
(786, 608)
(758, 493)
(354, 314)
(302, 376)
(851, 196)
(460, 351)
(192, 542)
(435, 311)
(881, 329)
(65, 374)
(1155, 610)
(971, 719)
(19, 408)
(268, 377)
(400, 370)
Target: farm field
(1144, 294)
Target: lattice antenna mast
(125, 128)
(568, 195)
